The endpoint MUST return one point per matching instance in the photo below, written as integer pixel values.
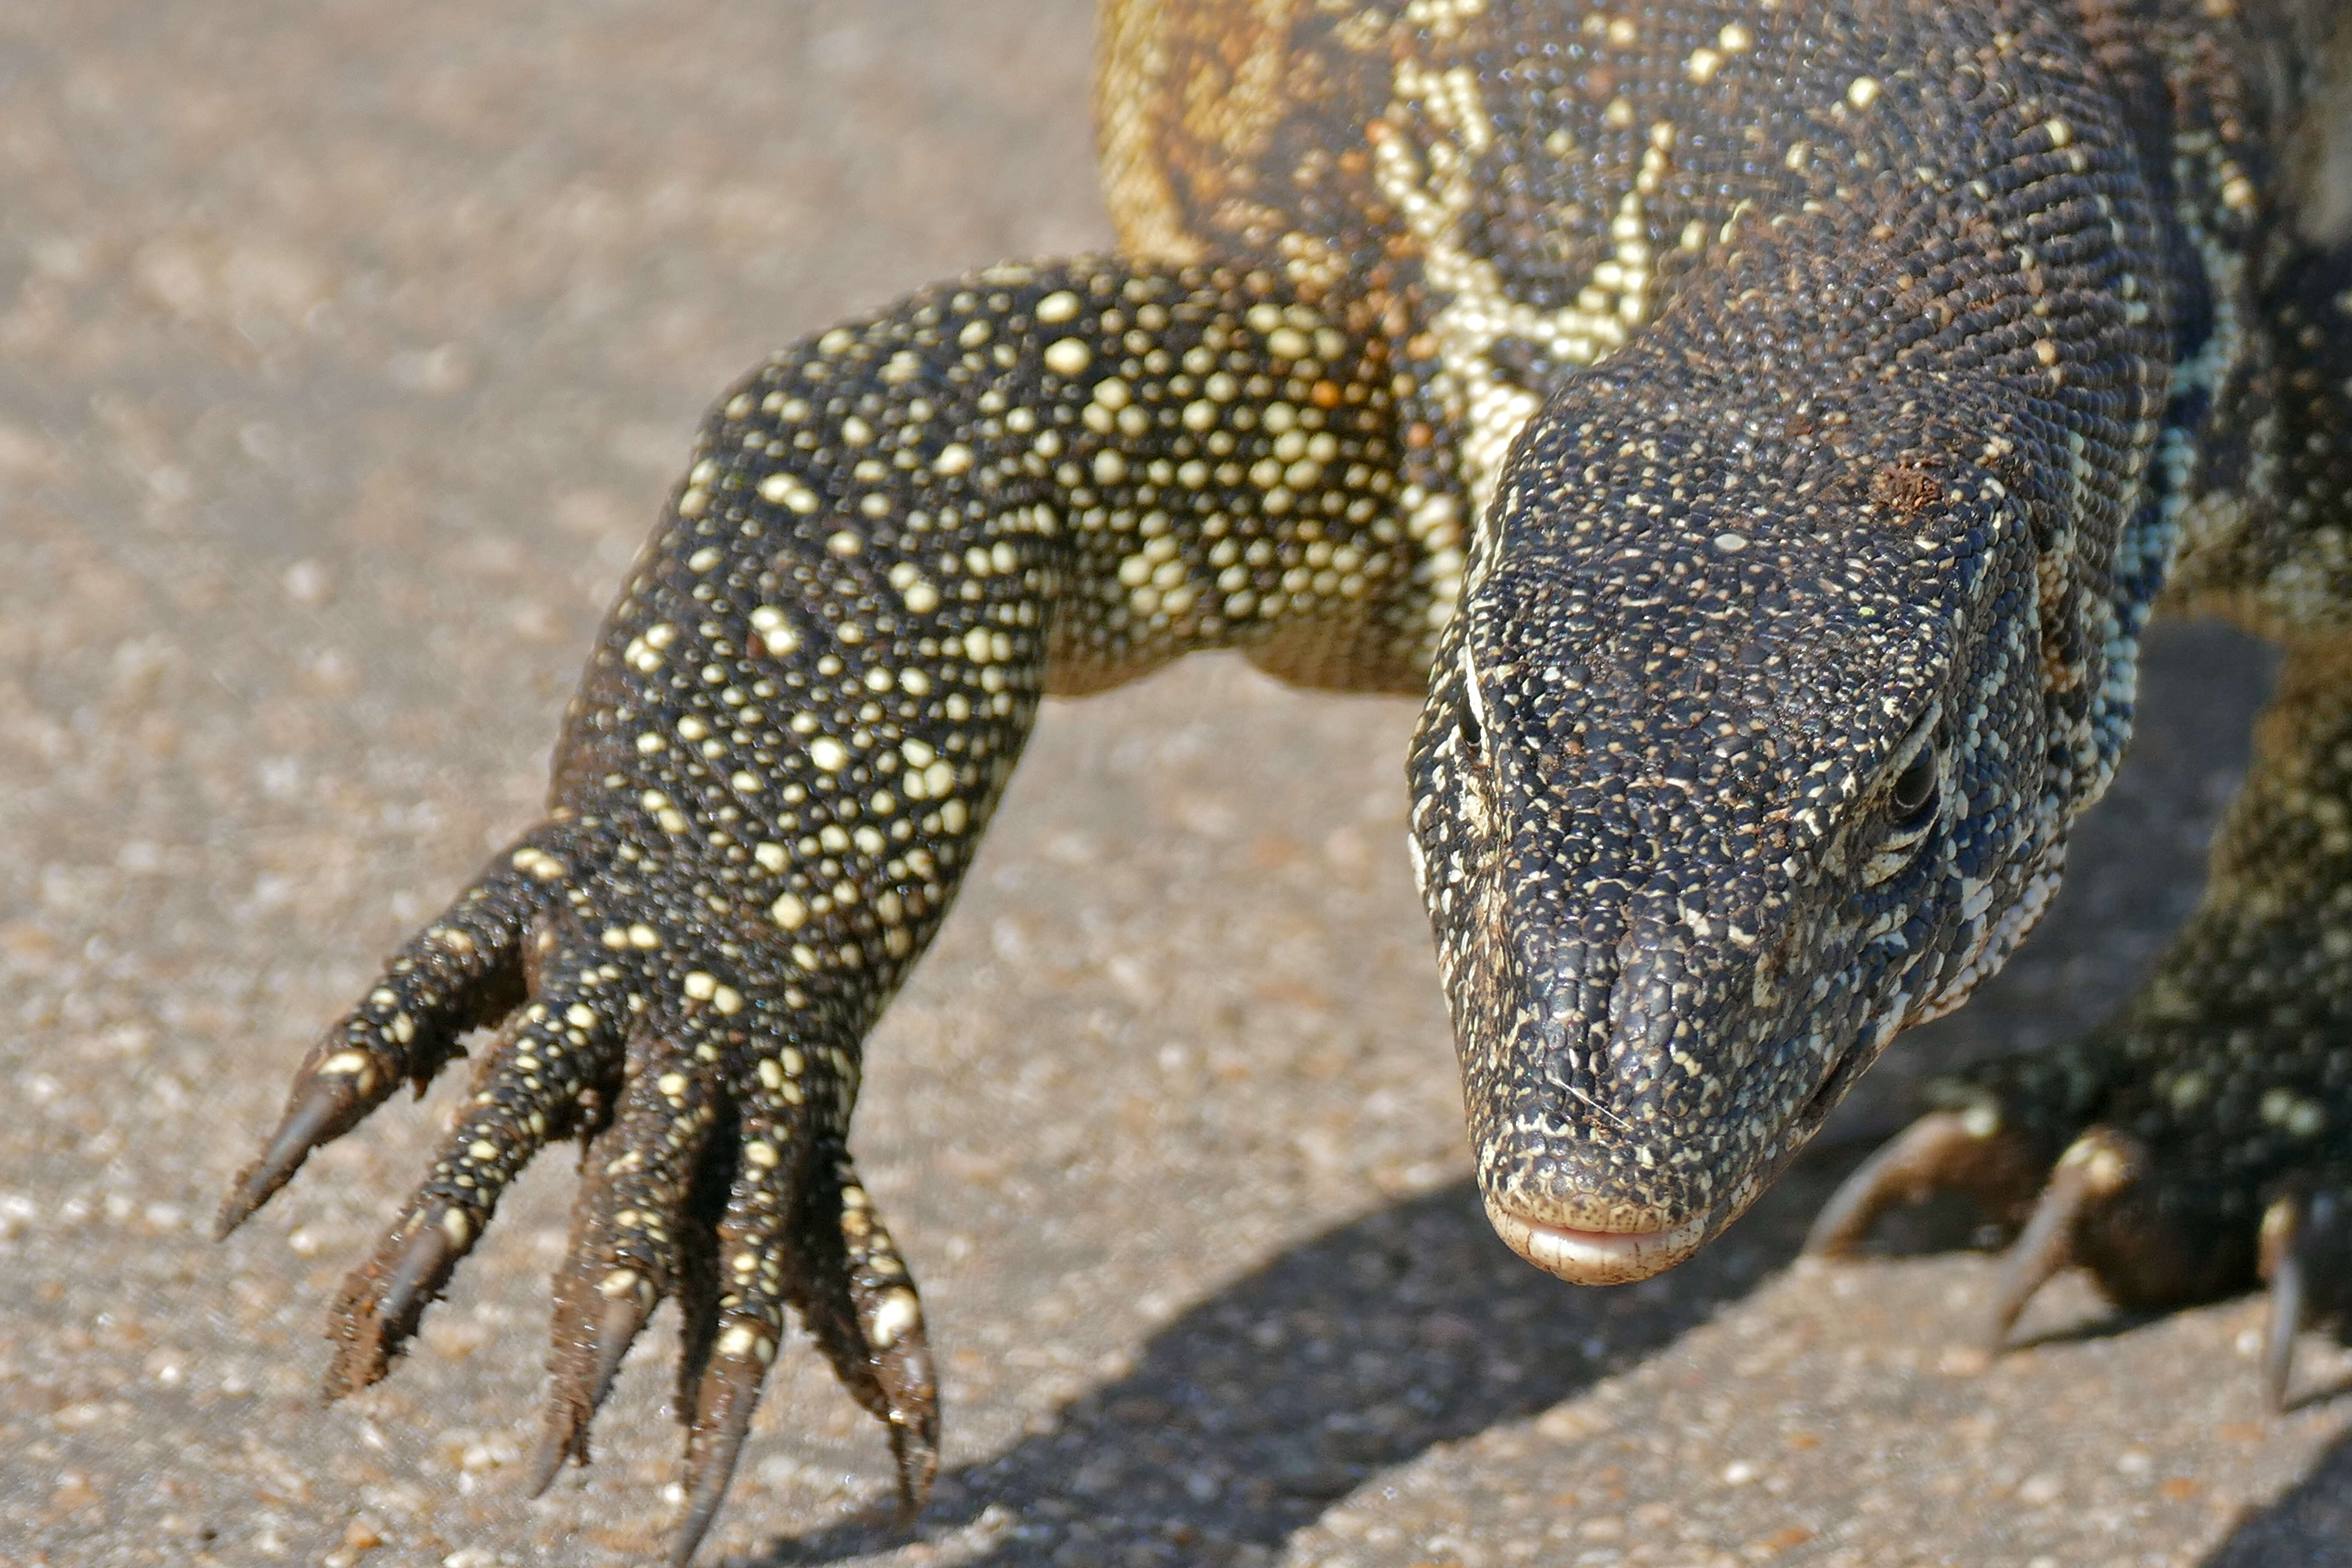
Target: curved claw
(915, 1448)
(2306, 1259)
(384, 1297)
(323, 1106)
(871, 1328)
(585, 1366)
(2096, 1170)
(722, 1415)
(465, 971)
(1968, 1150)
(2284, 1234)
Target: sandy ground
(345, 352)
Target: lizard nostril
(1833, 1085)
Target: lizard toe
(631, 1224)
(2099, 1209)
(737, 1324)
(467, 970)
(802, 1232)
(863, 1308)
(2306, 1264)
(1970, 1147)
(545, 1077)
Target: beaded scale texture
(1763, 430)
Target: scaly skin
(1762, 429)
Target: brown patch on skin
(1905, 490)
(1213, 118)
(1129, 83)
(1191, 99)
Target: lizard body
(1763, 430)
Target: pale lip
(1596, 1256)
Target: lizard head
(1750, 743)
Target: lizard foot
(1966, 1148)
(713, 1115)
(2151, 1212)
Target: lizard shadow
(2309, 1527)
(2113, 1323)
(1249, 1415)
(2312, 1398)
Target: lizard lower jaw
(1597, 1257)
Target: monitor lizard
(1760, 429)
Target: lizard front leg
(801, 713)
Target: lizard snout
(1618, 1105)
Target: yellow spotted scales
(1760, 429)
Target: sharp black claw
(723, 1406)
(1899, 1172)
(2283, 1267)
(327, 1106)
(2094, 1171)
(373, 1322)
(575, 1400)
(422, 1269)
(915, 1446)
(554, 1447)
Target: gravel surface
(346, 350)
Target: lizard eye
(1906, 811)
(1912, 797)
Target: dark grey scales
(1763, 430)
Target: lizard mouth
(1596, 1256)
